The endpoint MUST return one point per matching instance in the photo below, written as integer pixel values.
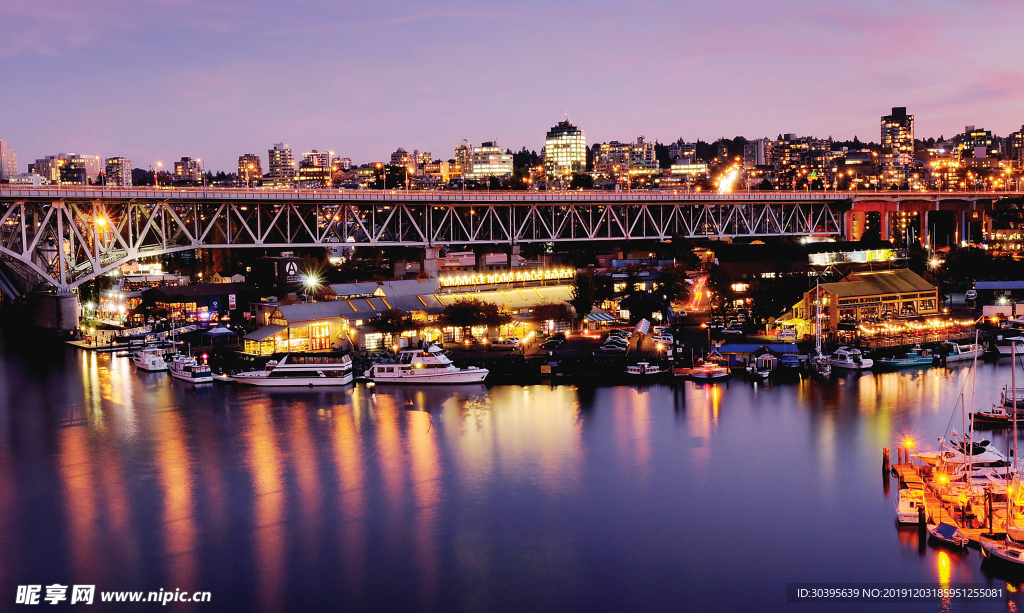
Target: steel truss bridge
(67, 236)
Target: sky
(213, 79)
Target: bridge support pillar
(55, 311)
(430, 264)
(855, 222)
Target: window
(319, 337)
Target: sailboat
(1007, 413)
(821, 365)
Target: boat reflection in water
(463, 496)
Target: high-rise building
(401, 157)
(973, 143)
(316, 169)
(69, 168)
(118, 171)
(8, 161)
(898, 135)
(1015, 146)
(565, 150)
(463, 151)
(758, 152)
(250, 170)
(489, 160)
(282, 165)
(615, 158)
(682, 152)
(188, 169)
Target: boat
(948, 533)
(643, 368)
(709, 371)
(150, 359)
(424, 366)
(916, 357)
(1006, 550)
(314, 369)
(819, 363)
(955, 352)
(187, 368)
(997, 416)
(908, 501)
(1005, 345)
(850, 358)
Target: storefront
(869, 297)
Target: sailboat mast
(1013, 395)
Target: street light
(311, 282)
(156, 174)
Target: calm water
(508, 498)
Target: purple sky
(214, 79)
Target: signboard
(231, 302)
(858, 257)
(291, 272)
(508, 277)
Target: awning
(598, 315)
(264, 333)
(643, 327)
(221, 331)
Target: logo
(291, 268)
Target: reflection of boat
(916, 357)
(643, 368)
(709, 371)
(429, 365)
(908, 501)
(187, 368)
(301, 369)
(150, 359)
(948, 533)
(850, 358)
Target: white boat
(319, 369)
(1007, 550)
(850, 358)
(955, 352)
(643, 368)
(819, 363)
(1005, 346)
(187, 368)
(424, 366)
(150, 359)
(908, 501)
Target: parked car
(616, 343)
(558, 336)
(512, 343)
(611, 349)
(734, 329)
(666, 339)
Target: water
(641, 498)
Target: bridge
(66, 236)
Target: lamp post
(156, 174)
(202, 173)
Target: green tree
(583, 294)
(393, 321)
(672, 284)
(465, 313)
(552, 311)
(581, 181)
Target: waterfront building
(8, 161)
(250, 170)
(790, 149)
(898, 135)
(118, 171)
(281, 165)
(439, 170)
(489, 160)
(69, 168)
(198, 302)
(565, 150)
(188, 170)
(316, 169)
(868, 296)
(421, 158)
(690, 170)
(615, 158)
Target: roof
(311, 310)
(219, 331)
(754, 347)
(999, 285)
(264, 333)
(598, 315)
(366, 288)
(410, 287)
(516, 298)
(427, 303)
(900, 281)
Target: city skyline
(401, 76)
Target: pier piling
(885, 459)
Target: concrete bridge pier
(55, 311)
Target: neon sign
(498, 278)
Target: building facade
(316, 169)
(489, 160)
(69, 168)
(118, 171)
(870, 297)
(615, 158)
(250, 170)
(188, 169)
(758, 153)
(565, 150)
(898, 135)
(8, 161)
(281, 165)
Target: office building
(282, 165)
(615, 158)
(898, 135)
(69, 168)
(565, 150)
(489, 160)
(8, 161)
(188, 169)
(250, 170)
(316, 169)
(118, 171)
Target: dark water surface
(644, 498)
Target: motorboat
(643, 368)
(150, 359)
(948, 533)
(917, 357)
(997, 416)
(1006, 550)
(850, 358)
(908, 503)
(709, 371)
(313, 369)
(955, 352)
(187, 368)
(820, 365)
(424, 366)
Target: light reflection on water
(463, 497)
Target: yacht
(850, 358)
(150, 359)
(424, 366)
(954, 352)
(299, 370)
(916, 358)
(187, 368)
(907, 504)
(643, 368)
